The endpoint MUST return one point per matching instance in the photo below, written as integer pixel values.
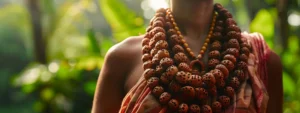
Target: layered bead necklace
(179, 79)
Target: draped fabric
(252, 97)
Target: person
(124, 87)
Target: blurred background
(51, 51)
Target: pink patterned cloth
(252, 97)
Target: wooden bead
(183, 108)
(184, 67)
(234, 35)
(159, 36)
(212, 91)
(146, 49)
(229, 65)
(188, 92)
(230, 57)
(194, 108)
(157, 30)
(209, 79)
(155, 60)
(152, 82)
(171, 32)
(225, 101)
(174, 86)
(148, 73)
(242, 65)
(159, 70)
(159, 19)
(206, 109)
(171, 71)
(161, 10)
(229, 91)
(164, 79)
(158, 23)
(180, 57)
(146, 57)
(218, 29)
(157, 91)
(214, 54)
(233, 51)
(159, 14)
(147, 64)
(145, 41)
(230, 21)
(244, 57)
(177, 49)
(149, 28)
(233, 28)
(173, 104)
(224, 70)
(233, 43)
(218, 75)
(235, 83)
(221, 84)
(166, 62)
(162, 44)
(164, 98)
(245, 50)
(181, 77)
(197, 65)
(216, 107)
(195, 80)
(216, 45)
(212, 63)
(163, 53)
(175, 39)
(220, 23)
(168, 25)
(201, 93)
(216, 36)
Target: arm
(275, 86)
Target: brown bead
(218, 29)
(159, 14)
(233, 28)
(166, 62)
(177, 49)
(155, 60)
(173, 104)
(184, 67)
(216, 45)
(152, 42)
(229, 91)
(240, 74)
(230, 57)
(225, 101)
(216, 107)
(159, 36)
(224, 70)
(229, 65)
(213, 91)
(171, 71)
(183, 108)
(195, 80)
(188, 92)
(197, 65)
(206, 109)
(244, 57)
(180, 57)
(146, 57)
(164, 79)
(245, 44)
(163, 53)
(218, 75)
(201, 93)
(153, 52)
(162, 44)
(159, 70)
(145, 41)
(228, 15)
(147, 64)
(219, 23)
(152, 82)
(242, 65)
(157, 30)
(218, 6)
(161, 10)
(214, 54)
(216, 36)
(194, 108)
(230, 21)
(157, 91)
(158, 23)
(169, 25)
(174, 86)
(234, 83)
(164, 98)
(149, 28)
(233, 43)
(174, 40)
(209, 79)
(213, 62)
(233, 51)
(234, 35)
(148, 73)
(245, 50)
(181, 77)
(146, 49)
(172, 32)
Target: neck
(193, 16)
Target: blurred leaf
(93, 42)
(288, 85)
(293, 44)
(90, 87)
(47, 94)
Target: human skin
(123, 65)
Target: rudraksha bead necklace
(187, 86)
